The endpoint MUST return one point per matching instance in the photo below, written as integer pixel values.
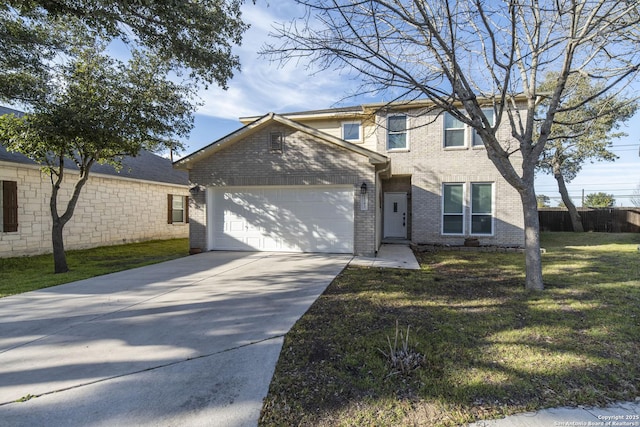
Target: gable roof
(145, 166)
(262, 122)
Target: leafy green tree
(98, 110)
(583, 130)
(480, 61)
(599, 200)
(194, 37)
(543, 201)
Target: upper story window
(397, 133)
(453, 131)
(276, 142)
(476, 139)
(351, 131)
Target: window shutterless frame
(482, 208)
(476, 141)
(454, 132)
(397, 133)
(453, 206)
(352, 131)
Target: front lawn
(490, 348)
(29, 273)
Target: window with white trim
(177, 209)
(482, 208)
(453, 209)
(454, 131)
(351, 131)
(476, 139)
(472, 216)
(397, 133)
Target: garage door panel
(299, 219)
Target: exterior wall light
(363, 188)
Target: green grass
(490, 347)
(24, 274)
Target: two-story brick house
(347, 179)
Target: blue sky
(262, 87)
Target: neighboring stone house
(347, 179)
(147, 199)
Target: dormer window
(351, 131)
(276, 142)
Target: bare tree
(582, 134)
(468, 55)
(635, 197)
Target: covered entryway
(395, 215)
(282, 219)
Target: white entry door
(285, 219)
(395, 215)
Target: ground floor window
(8, 206)
(177, 209)
(467, 214)
(481, 208)
(453, 209)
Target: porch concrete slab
(192, 341)
(390, 256)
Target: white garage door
(287, 219)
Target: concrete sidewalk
(389, 256)
(619, 414)
(192, 341)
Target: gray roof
(145, 166)
(7, 110)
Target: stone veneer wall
(304, 160)
(111, 210)
(431, 165)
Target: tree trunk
(533, 257)
(59, 221)
(59, 256)
(576, 221)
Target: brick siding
(304, 160)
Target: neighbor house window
(477, 140)
(397, 133)
(453, 209)
(453, 131)
(8, 206)
(481, 208)
(276, 141)
(178, 209)
(351, 131)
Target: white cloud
(264, 86)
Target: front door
(395, 215)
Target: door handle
(404, 219)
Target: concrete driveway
(190, 342)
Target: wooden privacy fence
(610, 220)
